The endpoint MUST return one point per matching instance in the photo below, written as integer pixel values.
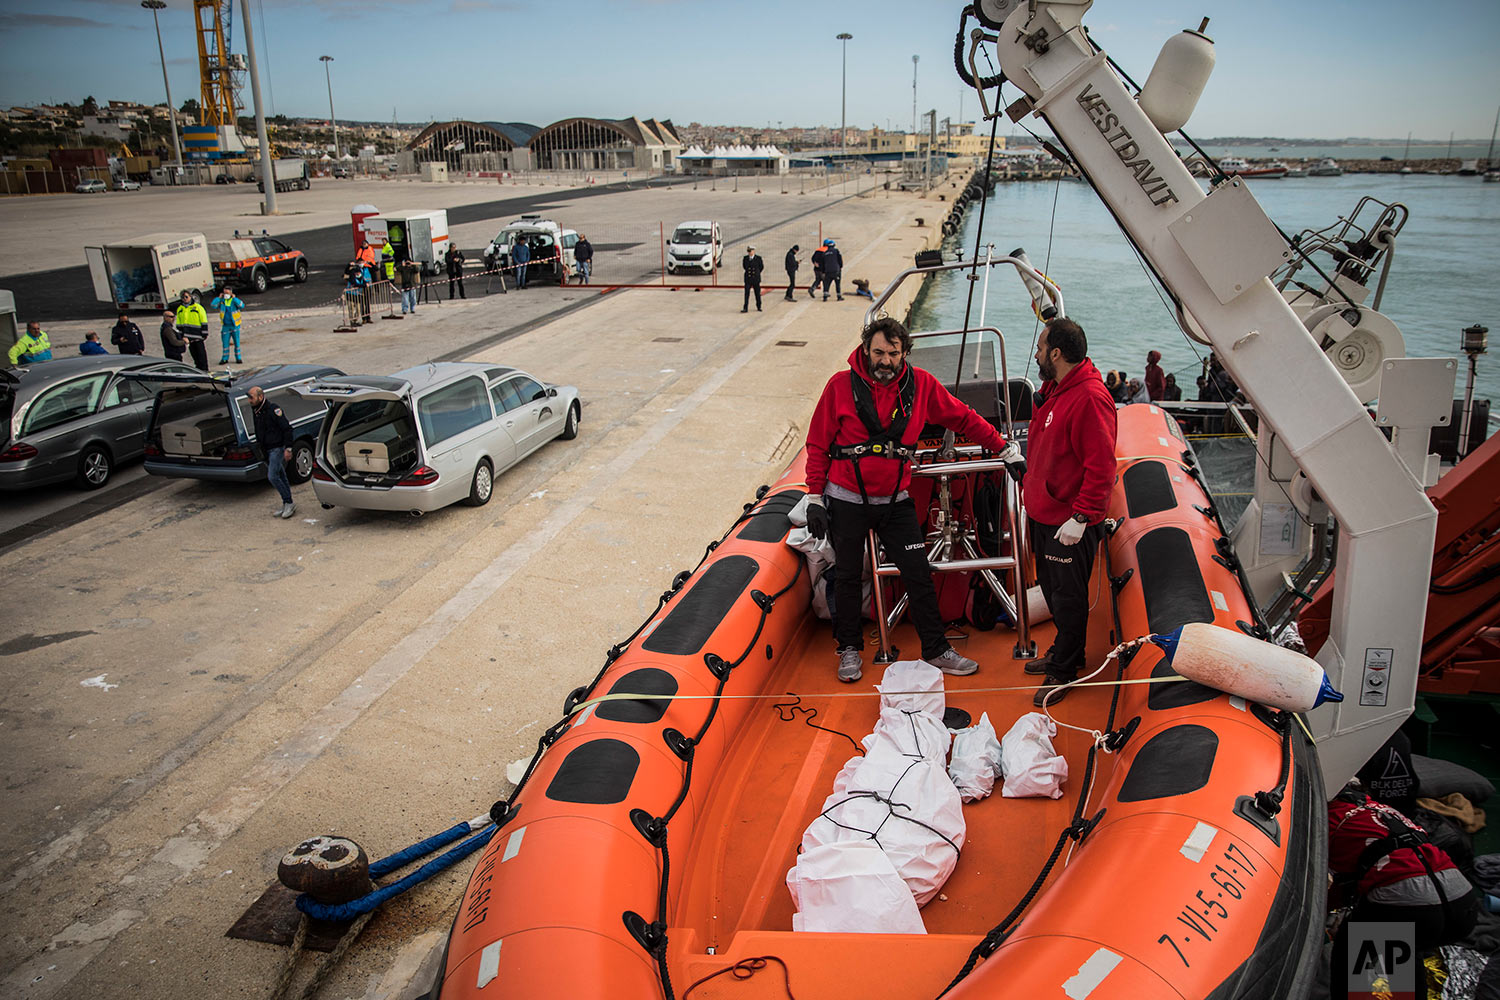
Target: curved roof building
(605, 144)
(570, 144)
(448, 141)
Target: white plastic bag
(919, 677)
(884, 794)
(851, 886)
(913, 734)
(1030, 764)
(976, 760)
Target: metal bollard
(330, 869)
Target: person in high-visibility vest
(366, 257)
(388, 255)
(229, 305)
(32, 345)
(192, 326)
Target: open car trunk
(193, 423)
(372, 442)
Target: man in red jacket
(1071, 452)
(859, 448)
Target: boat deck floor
(734, 902)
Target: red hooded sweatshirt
(1156, 379)
(835, 421)
(1070, 448)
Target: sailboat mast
(1489, 158)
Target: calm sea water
(1445, 275)
(1420, 150)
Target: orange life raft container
(646, 846)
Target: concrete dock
(194, 686)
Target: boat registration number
(1200, 918)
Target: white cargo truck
(9, 331)
(420, 235)
(150, 271)
(290, 174)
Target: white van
(543, 238)
(432, 435)
(695, 246)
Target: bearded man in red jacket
(1071, 452)
(859, 448)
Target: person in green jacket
(388, 255)
(192, 326)
(229, 305)
(32, 346)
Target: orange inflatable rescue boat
(645, 853)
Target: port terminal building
(571, 144)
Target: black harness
(883, 442)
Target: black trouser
(1063, 571)
(197, 348)
(817, 280)
(791, 284)
(749, 285)
(896, 524)
(458, 278)
(836, 281)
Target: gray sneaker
(850, 662)
(952, 663)
(276, 510)
(288, 510)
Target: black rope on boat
(1268, 803)
(744, 969)
(984, 82)
(788, 711)
(657, 930)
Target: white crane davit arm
(1215, 252)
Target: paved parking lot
(194, 686)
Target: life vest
(1406, 836)
(883, 442)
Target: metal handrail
(1016, 604)
(1021, 267)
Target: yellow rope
(581, 706)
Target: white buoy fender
(1177, 79)
(1243, 665)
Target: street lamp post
(844, 37)
(916, 145)
(332, 120)
(153, 6)
(267, 167)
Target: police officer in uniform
(453, 262)
(753, 265)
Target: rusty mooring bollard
(329, 869)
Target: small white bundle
(976, 760)
(1030, 764)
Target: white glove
(1014, 463)
(1070, 532)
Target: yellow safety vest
(192, 315)
(389, 255)
(27, 344)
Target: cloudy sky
(1292, 68)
